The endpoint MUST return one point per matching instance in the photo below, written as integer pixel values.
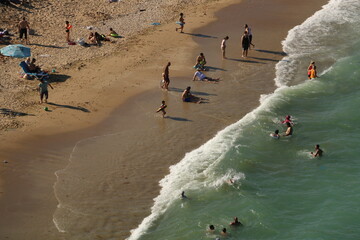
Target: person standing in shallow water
(248, 30)
(310, 67)
(166, 76)
(223, 46)
(162, 108)
(182, 23)
(245, 42)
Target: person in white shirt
(202, 77)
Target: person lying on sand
(202, 77)
(188, 97)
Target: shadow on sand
(11, 113)
(200, 35)
(193, 92)
(70, 107)
(265, 59)
(215, 68)
(47, 46)
(58, 77)
(243, 60)
(271, 52)
(178, 119)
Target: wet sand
(147, 144)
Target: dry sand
(96, 86)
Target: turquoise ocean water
(280, 191)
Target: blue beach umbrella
(17, 50)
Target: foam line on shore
(193, 170)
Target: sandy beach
(117, 95)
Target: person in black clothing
(245, 42)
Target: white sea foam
(325, 36)
(196, 169)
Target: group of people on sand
(246, 42)
(94, 38)
(289, 131)
(200, 63)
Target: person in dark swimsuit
(245, 42)
(23, 29)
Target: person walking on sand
(43, 90)
(166, 77)
(318, 152)
(223, 46)
(23, 29)
(248, 30)
(245, 42)
(68, 26)
(181, 22)
(162, 108)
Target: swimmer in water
(289, 130)
(235, 222)
(183, 196)
(288, 119)
(231, 181)
(318, 152)
(211, 228)
(223, 232)
(275, 134)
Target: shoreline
(205, 112)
